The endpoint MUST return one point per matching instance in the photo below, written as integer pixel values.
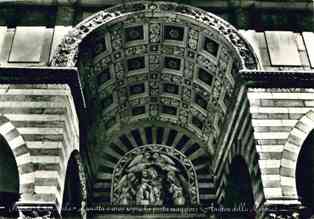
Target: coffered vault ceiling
(156, 65)
(161, 68)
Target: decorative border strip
(291, 152)
(67, 52)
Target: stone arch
(121, 94)
(239, 167)
(179, 42)
(17, 144)
(9, 178)
(249, 156)
(304, 173)
(290, 154)
(67, 51)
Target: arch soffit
(215, 27)
(15, 141)
(67, 52)
(73, 155)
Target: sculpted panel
(154, 175)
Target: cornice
(278, 79)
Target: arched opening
(239, 193)
(9, 178)
(160, 65)
(305, 173)
(72, 197)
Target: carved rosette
(154, 169)
(66, 54)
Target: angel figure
(156, 196)
(177, 195)
(175, 190)
(156, 187)
(143, 195)
(126, 186)
(140, 162)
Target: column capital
(277, 215)
(283, 210)
(37, 211)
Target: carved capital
(35, 214)
(283, 215)
(41, 211)
(283, 211)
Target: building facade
(154, 109)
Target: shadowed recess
(305, 172)
(72, 194)
(9, 176)
(239, 188)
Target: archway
(239, 193)
(9, 178)
(305, 174)
(159, 65)
(72, 196)
(66, 54)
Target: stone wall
(266, 126)
(271, 47)
(254, 14)
(282, 119)
(40, 124)
(238, 140)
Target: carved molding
(67, 52)
(83, 187)
(278, 79)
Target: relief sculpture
(153, 177)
